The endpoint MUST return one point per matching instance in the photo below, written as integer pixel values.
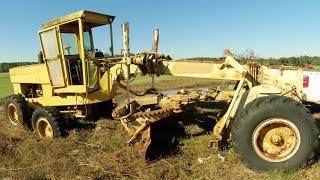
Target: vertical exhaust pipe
(155, 43)
(125, 39)
(126, 54)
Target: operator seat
(98, 54)
(74, 64)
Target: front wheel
(47, 122)
(275, 132)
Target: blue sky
(189, 28)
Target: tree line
(287, 61)
(301, 61)
(250, 55)
(4, 67)
(293, 61)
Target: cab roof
(93, 18)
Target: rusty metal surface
(145, 147)
(276, 140)
(155, 40)
(152, 116)
(176, 102)
(125, 39)
(156, 107)
(150, 62)
(146, 119)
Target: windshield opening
(101, 39)
(70, 43)
(87, 42)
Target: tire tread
(262, 102)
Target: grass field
(5, 85)
(101, 153)
(316, 68)
(141, 82)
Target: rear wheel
(16, 111)
(275, 132)
(47, 122)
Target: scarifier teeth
(153, 115)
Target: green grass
(147, 79)
(315, 68)
(5, 85)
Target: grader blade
(146, 147)
(153, 132)
(149, 119)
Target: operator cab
(69, 52)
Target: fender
(252, 94)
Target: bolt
(276, 140)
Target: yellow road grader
(265, 119)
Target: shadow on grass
(165, 138)
(167, 134)
(199, 119)
(202, 115)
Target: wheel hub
(13, 114)
(44, 128)
(276, 139)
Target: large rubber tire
(16, 111)
(50, 118)
(262, 111)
